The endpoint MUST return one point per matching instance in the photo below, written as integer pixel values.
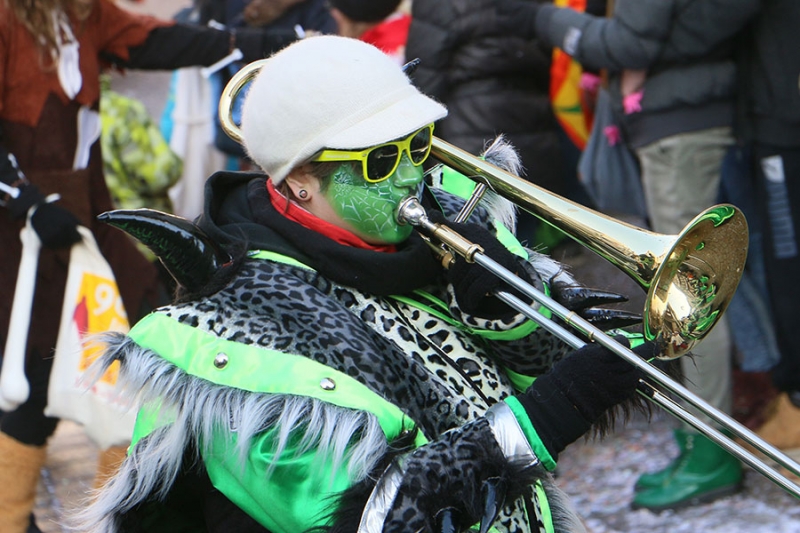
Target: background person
(51, 55)
(331, 341)
(770, 125)
(492, 82)
(672, 80)
(380, 23)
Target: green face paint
(370, 207)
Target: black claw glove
(518, 17)
(55, 226)
(459, 479)
(472, 283)
(563, 404)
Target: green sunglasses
(380, 162)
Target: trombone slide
(410, 211)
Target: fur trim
(339, 435)
(565, 517)
(501, 153)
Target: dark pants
(778, 171)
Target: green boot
(703, 473)
(657, 478)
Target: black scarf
(412, 266)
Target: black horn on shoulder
(188, 254)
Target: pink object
(612, 134)
(632, 103)
(589, 82)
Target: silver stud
(327, 384)
(221, 360)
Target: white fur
(339, 435)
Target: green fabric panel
(520, 382)
(634, 339)
(294, 498)
(530, 433)
(510, 241)
(456, 183)
(148, 419)
(544, 503)
(277, 258)
(260, 370)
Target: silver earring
(303, 194)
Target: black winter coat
(491, 83)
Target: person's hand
(564, 403)
(586, 302)
(517, 17)
(455, 482)
(258, 43)
(473, 284)
(55, 226)
(467, 475)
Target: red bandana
(296, 213)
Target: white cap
(328, 92)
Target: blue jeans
(749, 312)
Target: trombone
(690, 278)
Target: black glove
(460, 479)
(472, 283)
(564, 403)
(258, 43)
(465, 477)
(517, 17)
(55, 226)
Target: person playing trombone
(320, 369)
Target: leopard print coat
(426, 360)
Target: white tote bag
(92, 305)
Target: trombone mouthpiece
(410, 211)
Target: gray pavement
(66, 478)
(600, 479)
(599, 476)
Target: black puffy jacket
(491, 83)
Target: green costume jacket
(299, 378)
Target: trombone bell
(690, 278)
